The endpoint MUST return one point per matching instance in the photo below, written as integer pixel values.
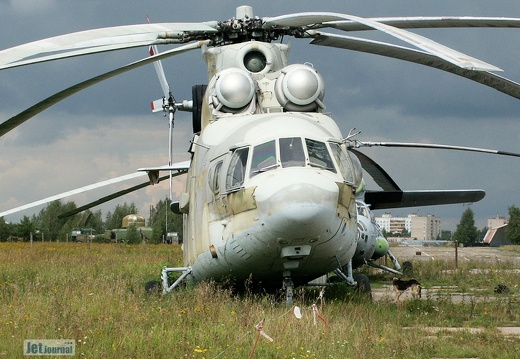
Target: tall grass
(96, 296)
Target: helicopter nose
(296, 206)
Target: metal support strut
(167, 288)
(346, 277)
(288, 286)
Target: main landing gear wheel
(363, 284)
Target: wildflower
(198, 349)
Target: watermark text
(49, 347)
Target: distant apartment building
(394, 225)
(422, 228)
(425, 228)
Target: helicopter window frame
(318, 155)
(267, 150)
(237, 168)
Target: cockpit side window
(319, 155)
(343, 161)
(214, 177)
(362, 211)
(291, 152)
(237, 169)
(264, 158)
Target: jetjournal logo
(49, 347)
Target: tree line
(48, 226)
(467, 233)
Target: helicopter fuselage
(270, 195)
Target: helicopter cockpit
(286, 152)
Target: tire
(363, 284)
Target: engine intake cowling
(300, 88)
(234, 88)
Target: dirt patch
(487, 254)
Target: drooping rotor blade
(321, 18)
(393, 197)
(101, 40)
(73, 192)
(111, 197)
(379, 175)
(49, 101)
(402, 199)
(153, 174)
(180, 168)
(430, 22)
(358, 144)
(419, 57)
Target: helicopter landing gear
(348, 278)
(363, 284)
(288, 286)
(359, 281)
(166, 286)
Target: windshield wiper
(313, 164)
(265, 169)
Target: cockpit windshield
(284, 153)
(319, 155)
(291, 152)
(264, 158)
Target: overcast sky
(108, 130)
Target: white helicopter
(274, 192)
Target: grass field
(95, 295)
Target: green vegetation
(513, 227)
(466, 231)
(94, 293)
(47, 226)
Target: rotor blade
(152, 49)
(100, 40)
(160, 72)
(435, 146)
(112, 196)
(419, 57)
(379, 175)
(49, 101)
(73, 192)
(402, 199)
(428, 45)
(429, 22)
(153, 172)
(180, 167)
